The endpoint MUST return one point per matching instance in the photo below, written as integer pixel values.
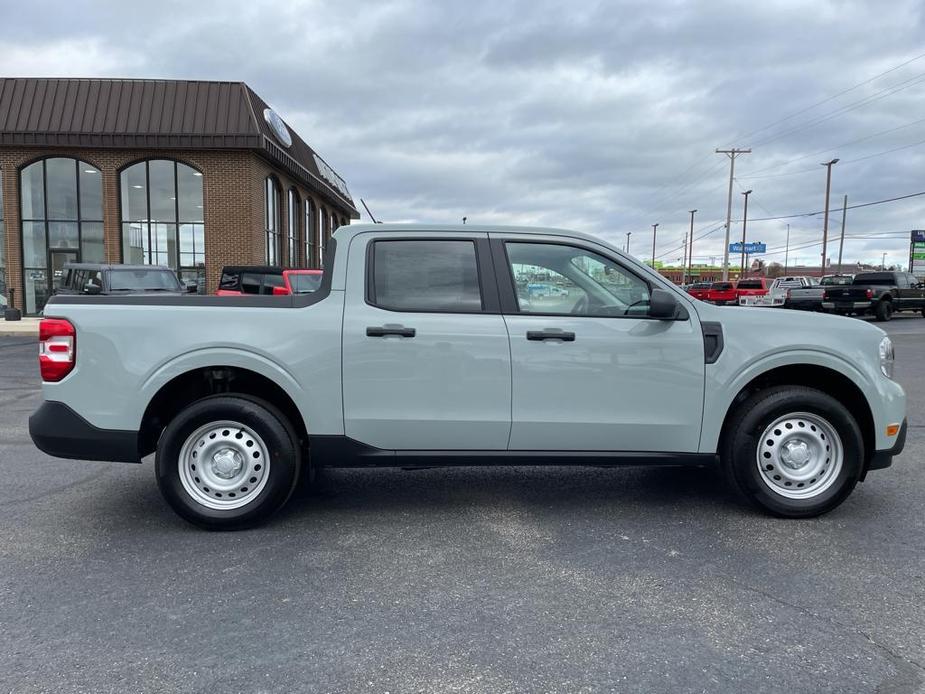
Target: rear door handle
(551, 335)
(383, 330)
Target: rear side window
(438, 276)
(229, 281)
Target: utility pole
(744, 222)
(883, 262)
(825, 222)
(654, 230)
(732, 154)
(628, 242)
(684, 262)
(787, 250)
(841, 243)
(690, 254)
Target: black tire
(740, 447)
(282, 472)
(884, 310)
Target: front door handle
(383, 330)
(551, 335)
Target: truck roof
(113, 266)
(347, 232)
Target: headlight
(886, 357)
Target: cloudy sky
(600, 116)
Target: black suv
(96, 278)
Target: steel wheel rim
(224, 465)
(800, 455)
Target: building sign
(327, 173)
(755, 247)
(278, 127)
(917, 254)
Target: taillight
(870, 293)
(281, 291)
(825, 295)
(57, 348)
(788, 294)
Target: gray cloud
(601, 116)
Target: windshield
(143, 280)
(303, 283)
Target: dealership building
(193, 175)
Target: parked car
(262, 279)
(722, 293)
(699, 290)
(101, 278)
(752, 286)
(417, 352)
(879, 293)
(809, 296)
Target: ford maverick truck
(425, 345)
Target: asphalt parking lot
(469, 580)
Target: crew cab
(423, 347)
(879, 293)
(264, 279)
(722, 293)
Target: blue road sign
(755, 247)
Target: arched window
(293, 231)
(3, 289)
(62, 222)
(311, 234)
(272, 220)
(162, 218)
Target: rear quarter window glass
(250, 283)
(438, 276)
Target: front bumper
(883, 459)
(59, 431)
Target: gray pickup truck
(808, 296)
(430, 345)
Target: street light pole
(841, 243)
(690, 254)
(654, 231)
(825, 222)
(744, 222)
(628, 242)
(787, 250)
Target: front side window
(293, 230)
(62, 221)
(162, 218)
(272, 221)
(566, 280)
(437, 276)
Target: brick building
(189, 174)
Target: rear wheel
(884, 310)
(227, 462)
(793, 451)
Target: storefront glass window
(293, 231)
(162, 218)
(62, 222)
(311, 239)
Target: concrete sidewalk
(24, 328)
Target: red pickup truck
(699, 290)
(252, 279)
(722, 293)
(753, 286)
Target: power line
(850, 207)
(744, 136)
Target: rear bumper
(847, 305)
(883, 459)
(59, 431)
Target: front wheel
(227, 462)
(793, 451)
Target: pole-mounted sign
(750, 248)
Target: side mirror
(91, 288)
(663, 305)
(191, 287)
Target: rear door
(591, 370)
(426, 357)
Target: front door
(56, 262)
(591, 370)
(426, 360)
